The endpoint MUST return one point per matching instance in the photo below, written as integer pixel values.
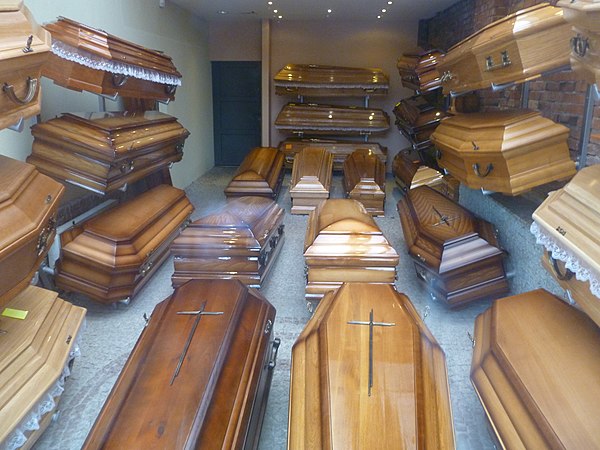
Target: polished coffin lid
(535, 369)
(34, 352)
(419, 71)
(209, 401)
(105, 151)
(319, 80)
(334, 405)
(410, 173)
(340, 149)
(261, 173)
(311, 173)
(364, 180)
(584, 14)
(28, 205)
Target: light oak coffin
(261, 173)
(111, 256)
(240, 241)
(516, 48)
(313, 80)
(455, 253)
(344, 244)
(88, 59)
(364, 180)
(333, 404)
(311, 179)
(331, 119)
(216, 396)
(419, 71)
(508, 151)
(535, 369)
(567, 224)
(24, 48)
(34, 354)
(28, 205)
(106, 151)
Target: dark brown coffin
(417, 119)
(311, 179)
(28, 205)
(106, 151)
(535, 369)
(364, 180)
(240, 241)
(261, 173)
(88, 59)
(454, 252)
(218, 398)
(111, 256)
(419, 71)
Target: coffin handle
(119, 80)
(45, 236)
(27, 48)
(170, 89)
(561, 276)
(127, 167)
(438, 154)
(446, 76)
(505, 62)
(579, 45)
(32, 87)
(273, 361)
(145, 268)
(489, 169)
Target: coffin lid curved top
(345, 216)
(118, 120)
(327, 76)
(18, 25)
(257, 164)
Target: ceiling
(347, 10)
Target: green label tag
(14, 313)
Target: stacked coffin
(39, 330)
(261, 173)
(367, 373)
(416, 119)
(454, 252)
(364, 180)
(344, 244)
(240, 241)
(509, 151)
(311, 179)
(420, 71)
(198, 376)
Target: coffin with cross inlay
(261, 173)
(194, 380)
(357, 386)
(454, 252)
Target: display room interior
(299, 224)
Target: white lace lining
(581, 270)
(96, 62)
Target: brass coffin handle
(561, 276)
(32, 87)
(119, 80)
(504, 62)
(489, 169)
(579, 45)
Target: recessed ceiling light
(222, 12)
(275, 11)
(269, 3)
(383, 10)
(329, 11)
(281, 17)
(379, 17)
(390, 2)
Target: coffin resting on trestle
(338, 400)
(88, 59)
(344, 244)
(509, 151)
(516, 48)
(36, 354)
(567, 224)
(454, 252)
(21, 61)
(311, 179)
(364, 180)
(106, 151)
(261, 173)
(314, 80)
(28, 205)
(241, 241)
(419, 71)
(535, 369)
(111, 256)
(194, 381)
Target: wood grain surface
(311, 179)
(364, 180)
(261, 173)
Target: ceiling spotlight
(329, 11)
(222, 12)
(269, 3)
(390, 2)
(281, 17)
(379, 17)
(275, 11)
(383, 10)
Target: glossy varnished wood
(218, 397)
(419, 71)
(417, 119)
(261, 173)
(311, 179)
(535, 369)
(330, 406)
(364, 180)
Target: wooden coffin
(313, 80)
(509, 151)
(339, 149)
(567, 224)
(367, 373)
(364, 180)
(261, 173)
(23, 50)
(417, 120)
(34, 355)
(88, 59)
(454, 252)
(106, 151)
(516, 48)
(344, 244)
(28, 205)
(419, 71)
(535, 369)
(194, 381)
(311, 179)
(111, 256)
(334, 120)
(240, 241)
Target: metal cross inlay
(371, 324)
(443, 218)
(198, 315)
